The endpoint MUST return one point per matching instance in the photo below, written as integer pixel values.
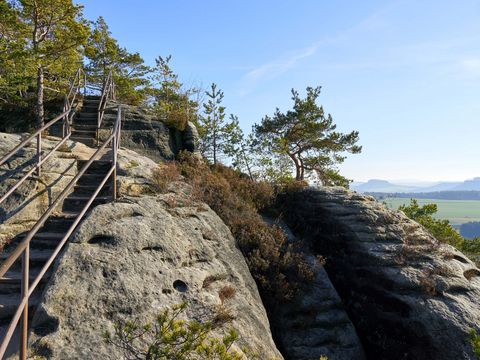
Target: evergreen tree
(52, 33)
(172, 102)
(105, 54)
(307, 136)
(213, 130)
(238, 147)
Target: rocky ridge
(131, 259)
(409, 296)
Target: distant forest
(439, 195)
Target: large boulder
(21, 210)
(131, 259)
(148, 135)
(409, 296)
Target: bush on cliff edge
(277, 266)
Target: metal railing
(65, 116)
(108, 93)
(20, 317)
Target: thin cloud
(276, 68)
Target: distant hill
(437, 195)
(384, 186)
(468, 185)
(376, 185)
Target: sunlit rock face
(408, 296)
(134, 258)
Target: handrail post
(39, 154)
(25, 291)
(114, 162)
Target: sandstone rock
(26, 205)
(123, 264)
(409, 296)
(315, 323)
(149, 136)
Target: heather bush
(278, 267)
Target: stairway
(56, 226)
(84, 126)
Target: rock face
(131, 259)
(315, 323)
(25, 206)
(408, 296)
(149, 136)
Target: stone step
(12, 281)
(37, 257)
(92, 179)
(9, 304)
(90, 142)
(79, 126)
(87, 115)
(58, 224)
(88, 190)
(85, 132)
(78, 202)
(98, 166)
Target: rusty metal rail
(20, 318)
(108, 93)
(23, 249)
(65, 116)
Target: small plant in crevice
(223, 313)
(210, 279)
(475, 341)
(171, 338)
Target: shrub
(475, 341)
(171, 338)
(279, 268)
(164, 174)
(226, 293)
(440, 229)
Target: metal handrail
(108, 93)
(66, 132)
(23, 248)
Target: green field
(456, 211)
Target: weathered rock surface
(125, 263)
(408, 296)
(147, 135)
(26, 205)
(315, 323)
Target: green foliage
(307, 137)
(440, 229)
(105, 54)
(171, 338)
(238, 147)
(172, 102)
(217, 136)
(277, 266)
(475, 341)
(41, 43)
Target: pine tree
(105, 54)
(238, 147)
(308, 138)
(213, 130)
(52, 33)
(172, 102)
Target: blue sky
(405, 73)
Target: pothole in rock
(180, 286)
(102, 240)
(471, 273)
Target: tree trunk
(39, 111)
(298, 167)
